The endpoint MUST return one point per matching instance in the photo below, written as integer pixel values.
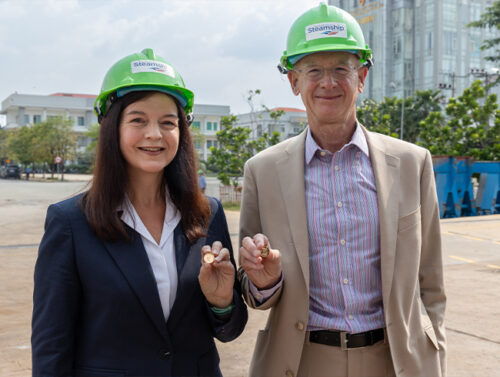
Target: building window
(429, 43)
(209, 144)
(196, 125)
(81, 121)
(209, 126)
(26, 119)
(37, 119)
(215, 126)
(216, 144)
(197, 145)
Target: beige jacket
(410, 245)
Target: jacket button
(164, 354)
(300, 326)
(289, 373)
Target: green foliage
(42, 142)
(385, 117)
(471, 126)
(234, 149)
(3, 143)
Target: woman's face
(149, 134)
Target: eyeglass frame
(336, 75)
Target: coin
(264, 252)
(208, 258)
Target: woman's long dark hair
(109, 185)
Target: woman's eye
(136, 120)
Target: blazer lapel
(387, 175)
(290, 170)
(188, 260)
(132, 260)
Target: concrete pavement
(472, 275)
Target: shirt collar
(130, 217)
(358, 139)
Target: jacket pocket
(408, 221)
(427, 325)
(98, 372)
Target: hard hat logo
(326, 30)
(139, 66)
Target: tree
(235, 148)
(4, 148)
(55, 137)
(471, 126)
(21, 144)
(385, 117)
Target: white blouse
(161, 256)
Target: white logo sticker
(326, 30)
(138, 66)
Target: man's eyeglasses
(316, 73)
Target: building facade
(291, 123)
(207, 121)
(422, 44)
(26, 109)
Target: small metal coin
(208, 258)
(264, 252)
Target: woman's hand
(263, 270)
(216, 275)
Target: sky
(222, 48)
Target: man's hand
(216, 275)
(263, 271)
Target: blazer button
(164, 354)
(289, 373)
(300, 326)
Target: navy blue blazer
(97, 311)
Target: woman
(121, 288)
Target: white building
(291, 123)
(25, 109)
(423, 44)
(207, 120)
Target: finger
(249, 245)
(260, 241)
(216, 247)
(246, 254)
(249, 264)
(207, 256)
(223, 255)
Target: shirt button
(300, 326)
(342, 242)
(339, 204)
(337, 168)
(289, 373)
(322, 153)
(164, 354)
(346, 281)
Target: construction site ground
(472, 276)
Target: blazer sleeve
(56, 298)
(249, 226)
(431, 265)
(231, 328)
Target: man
(202, 181)
(354, 279)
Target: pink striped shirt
(345, 290)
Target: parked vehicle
(10, 171)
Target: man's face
(329, 83)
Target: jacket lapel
(132, 260)
(387, 175)
(188, 261)
(290, 170)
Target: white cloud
(222, 48)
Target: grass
(232, 206)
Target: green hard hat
(142, 71)
(324, 28)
